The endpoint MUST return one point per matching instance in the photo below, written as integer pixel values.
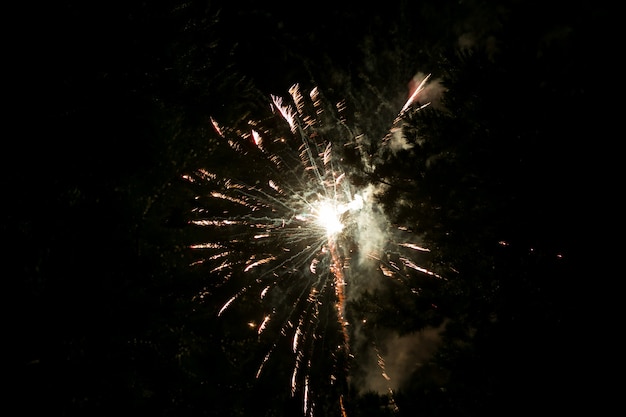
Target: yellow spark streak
(215, 222)
(217, 127)
(264, 292)
(228, 303)
(386, 271)
(263, 325)
(293, 378)
(343, 409)
(267, 357)
(235, 145)
(414, 246)
(306, 394)
(418, 90)
(285, 111)
(273, 185)
(219, 255)
(222, 266)
(412, 265)
(327, 154)
(259, 262)
(297, 97)
(256, 137)
(215, 194)
(207, 246)
(296, 337)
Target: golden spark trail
(336, 269)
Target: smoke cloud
(388, 363)
(371, 225)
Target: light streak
(284, 223)
(415, 94)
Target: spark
(414, 246)
(286, 224)
(415, 94)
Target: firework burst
(282, 219)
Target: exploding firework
(284, 224)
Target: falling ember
(283, 225)
(225, 306)
(414, 246)
(262, 326)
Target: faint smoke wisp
(396, 358)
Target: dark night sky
(110, 105)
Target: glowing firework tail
(337, 272)
(285, 215)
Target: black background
(109, 104)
